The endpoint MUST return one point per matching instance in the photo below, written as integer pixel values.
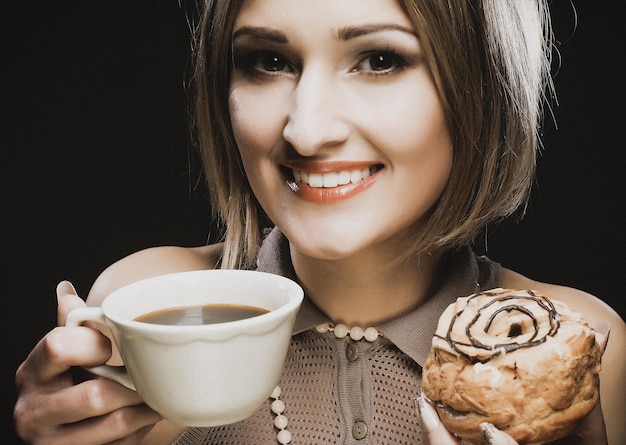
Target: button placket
(354, 397)
(355, 352)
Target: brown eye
(381, 62)
(269, 62)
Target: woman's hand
(51, 408)
(437, 434)
(591, 431)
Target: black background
(96, 160)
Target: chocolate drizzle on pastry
(529, 319)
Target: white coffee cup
(202, 375)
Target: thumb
(67, 299)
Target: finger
(119, 426)
(436, 433)
(67, 299)
(493, 436)
(61, 349)
(133, 438)
(92, 398)
(603, 331)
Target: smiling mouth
(329, 183)
(334, 179)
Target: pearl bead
(371, 334)
(283, 437)
(322, 328)
(277, 406)
(276, 393)
(356, 333)
(341, 330)
(281, 422)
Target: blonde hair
(490, 62)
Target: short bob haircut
(490, 62)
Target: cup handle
(118, 374)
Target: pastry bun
(515, 358)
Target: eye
(266, 63)
(381, 62)
(270, 62)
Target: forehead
(319, 14)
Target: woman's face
(338, 122)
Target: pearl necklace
(278, 406)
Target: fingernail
(429, 420)
(489, 431)
(64, 288)
(603, 328)
(493, 436)
(604, 331)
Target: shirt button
(359, 430)
(352, 352)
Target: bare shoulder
(150, 263)
(595, 311)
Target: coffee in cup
(202, 348)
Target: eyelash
(253, 63)
(398, 63)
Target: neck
(363, 290)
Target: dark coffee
(201, 314)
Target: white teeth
(316, 180)
(330, 180)
(343, 177)
(333, 179)
(355, 176)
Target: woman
(376, 138)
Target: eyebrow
(345, 33)
(261, 33)
(351, 32)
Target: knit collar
(464, 274)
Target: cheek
(247, 135)
(418, 146)
(243, 126)
(412, 131)
(257, 129)
(417, 114)
(256, 119)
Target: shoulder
(150, 263)
(595, 311)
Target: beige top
(338, 391)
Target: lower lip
(331, 194)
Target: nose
(315, 118)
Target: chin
(328, 245)
(324, 251)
